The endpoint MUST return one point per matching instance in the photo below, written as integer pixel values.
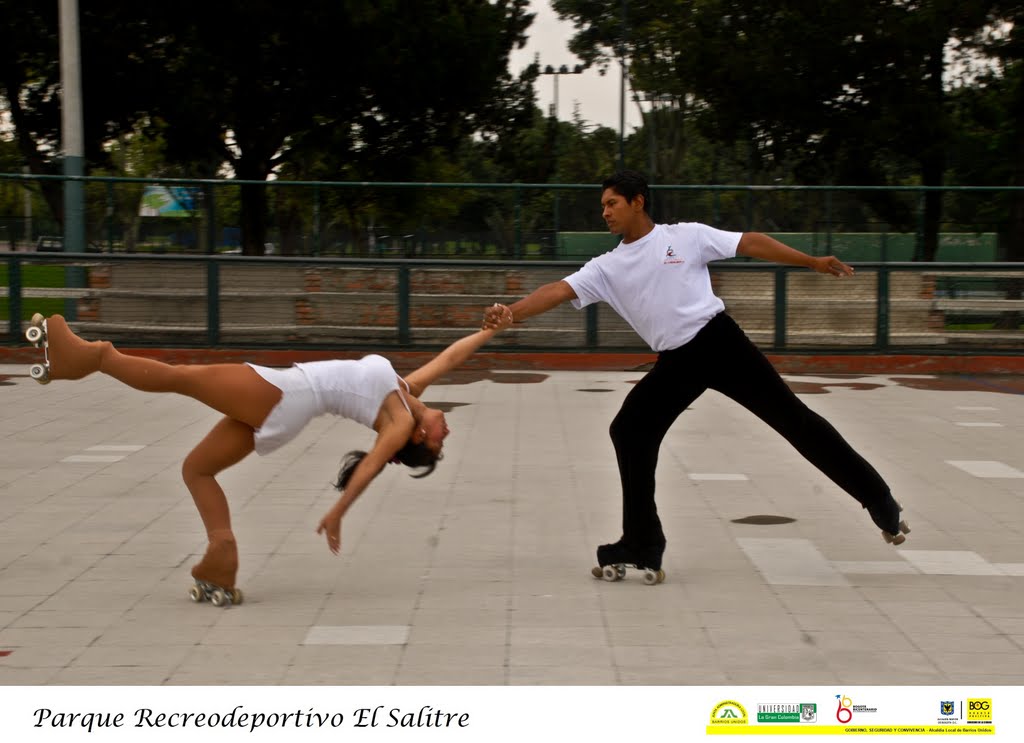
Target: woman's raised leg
(235, 390)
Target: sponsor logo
(979, 710)
(948, 712)
(846, 708)
(671, 257)
(729, 712)
(802, 712)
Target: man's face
(618, 213)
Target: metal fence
(358, 303)
(518, 221)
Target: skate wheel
(236, 595)
(610, 573)
(39, 373)
(654, 577)
(904, 528)
(196, 594)
(218, 597)
(596, 572)
(34, 335)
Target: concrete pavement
(480, 573)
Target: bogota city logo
(729, 712)
(844, 713)
(846, 708)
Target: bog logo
(979, 710)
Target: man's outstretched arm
(537, 302)
(759, 245)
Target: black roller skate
(613, 559)
(887, 518)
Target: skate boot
(887, 518)
(72, 357)
(215, 573)
(613, 559)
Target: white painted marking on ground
(980, 424)
(873, 567)
(116, 447)
(986, 468)
(791, 562)
(1011, 568)
(717, 476)
(949, 562)
(95, 458)
(975, 407)
(383, 634)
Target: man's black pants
(722, 358)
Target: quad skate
(36, 335)
(206, 591)
(613, 559)
(897, 537)
(215, 572)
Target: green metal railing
(939, 289)
(329, 217)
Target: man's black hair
(629, 184)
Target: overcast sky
(596, 96)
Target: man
(657, 279)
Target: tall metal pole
(622, 85)
(71, 127)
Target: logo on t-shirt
(671, 257)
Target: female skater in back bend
(265, 408)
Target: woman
(265, 408)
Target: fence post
(403, 305)
(14, 296)
(882, 328)
(211, 220)
(780, 307)
(591, 325)
(110, 216)
(212, 302)
(517, 251)
(316, 219)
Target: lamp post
(558, 72)
(71, 126)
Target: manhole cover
(764, 520)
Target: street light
(563, 70)
(558, 72)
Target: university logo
(729, 712)
(792, 712)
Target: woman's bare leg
(228, 443)
(235, 390)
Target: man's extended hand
(831, 265)
(497, 317)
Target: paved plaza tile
(480, 573)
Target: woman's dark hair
(629, 184)
(411, 455)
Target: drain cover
(764, 520)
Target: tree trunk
(254, 214)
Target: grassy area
(34, 276)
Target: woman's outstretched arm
(454, 356)
(389, 441)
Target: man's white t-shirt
(660, 283)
